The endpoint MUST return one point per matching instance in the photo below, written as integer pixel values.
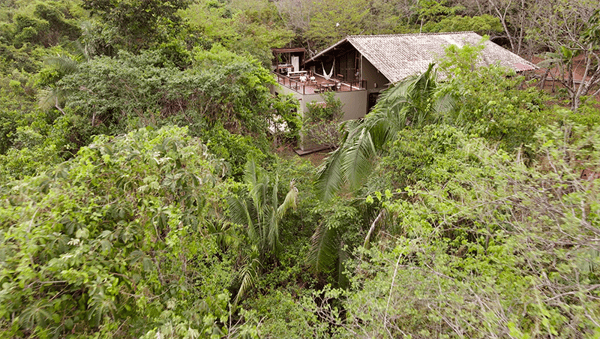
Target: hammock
(325, 75)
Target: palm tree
(65, 64)
(413, 102)
(327, 251)
(261, 214)
(54, 97)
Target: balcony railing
(320, 84)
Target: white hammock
(325, 75)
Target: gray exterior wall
(373, 76)
(355, 102)
(354, 106)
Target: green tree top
(139, 23)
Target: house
(287, 59)
(359, 67)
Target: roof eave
(519, 67)
(325, 51)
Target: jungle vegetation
(143, 196)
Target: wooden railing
(356, 85)
(334, 85)
(291, 83)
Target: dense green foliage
(137, 24)
(245, 27)
(483, 244)
(109, 235)
(321, 120)
(147, 191)
(115, 94)
(413, 102)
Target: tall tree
(139, 23)
(515, 19)
(335, 19)
(260, 214)
(513, 15)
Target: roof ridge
(348, 37)
(407, 34)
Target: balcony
(319, 84)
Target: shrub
(478, 244)
(115, 242)
(321, 121)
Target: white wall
(354, 103)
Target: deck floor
(318, 86)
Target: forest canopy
(144, 192)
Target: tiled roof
(401, 55)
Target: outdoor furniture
(296, 74)
(327, 86)
(283, 68)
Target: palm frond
(381, 128)
(241, 214)
(51, 98)
(421, 92)
(412, 102)
(395, 95)
(258, 194)
(342, 256)
(238, 210)
(248, 275)
(272, 230)
(251, 172)
(275, 193)
(444, 104)
(290, 201)
(63, 64)
(357, 159)
(330, 177)
(325, 246)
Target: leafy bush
(37, 147)
(236, 149)
(116, 94)
(480, 245)
(136, 25)
(30, 140)
(321, 121)
(260, 212)
(420, 155)
(115, 242)
(279, 315)
(247, 28)
(46, 23)
(491, 101)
